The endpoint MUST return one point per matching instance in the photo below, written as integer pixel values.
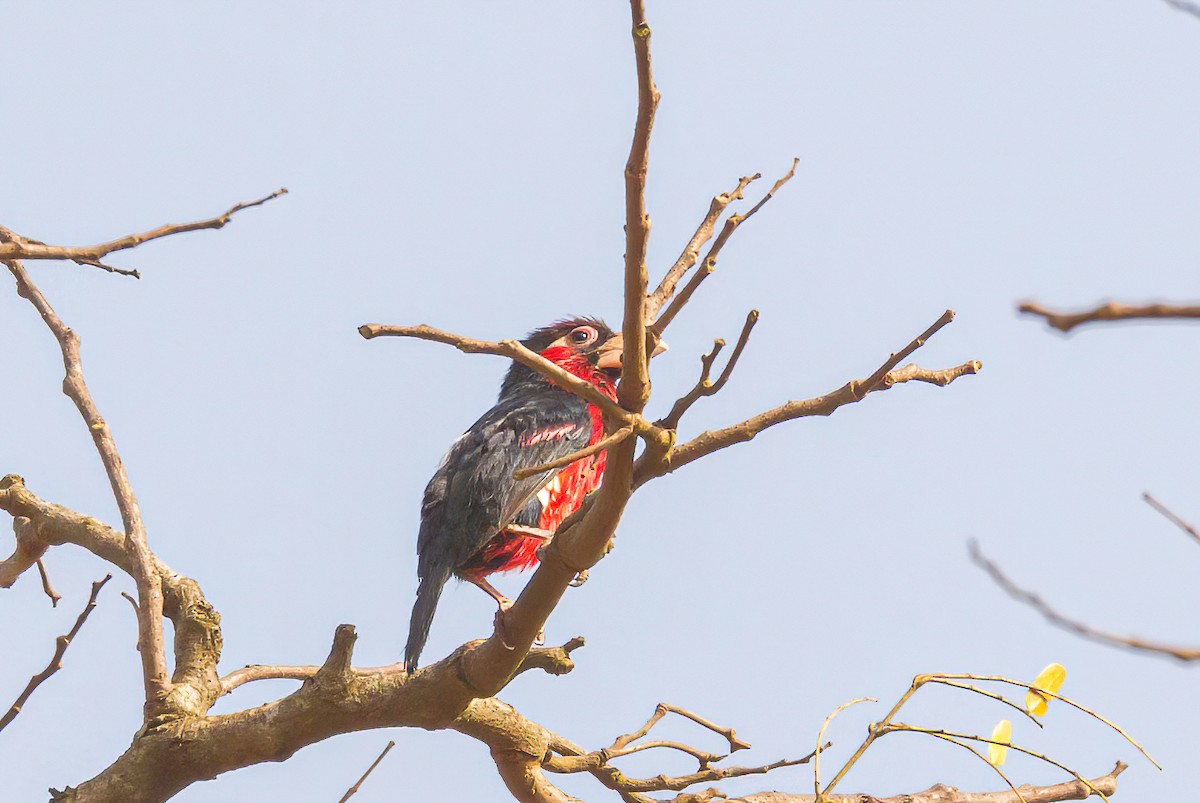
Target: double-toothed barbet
(476, 519)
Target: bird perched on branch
(477, 518)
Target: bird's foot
(580, 579)
(498, 623)
(532, 532)
(502, 630)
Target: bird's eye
(582, 335)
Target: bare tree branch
(47, 588)
(505, 348)
(197, 626)
(14, 246)
(1079, 628)
(1070, 790)
(354, 789)
(854, 391)
(705, 387)
(29, 551)
(1171, 517)
(61, 644)
(1112, 311)
(572, 759)
(710, 259)
(150, 630)
(634, 390)
(604, 443)
(691, 252)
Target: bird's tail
(428, 593)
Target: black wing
(473, 494)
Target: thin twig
(705, 387)
(353, 789)
(821, 735)
(691, 252)
(1000, 698)
(504, 348)
(1079, 628)
(61, 644)
(130, 600)
(710, 259)
(47, 588)
(1171, 517)
(599, 446)
(18, 247)
(980, 756)
(915, 373)
(898, 727)
(1112, 311)
(1045, 693)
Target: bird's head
(586, 347)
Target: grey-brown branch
(1110, 312)
(1075, 626)
(60, 649)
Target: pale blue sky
(460, 164)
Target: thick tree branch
(61, 644)
(14, 246)
(1079, 628)
(150, 608)
(1112, 311)
(29, 551)
(634, 390)
(197, 625)
(552, 660)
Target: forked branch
(709, 263)
(854, 391)
(14, 246)
(571, 758)
(705, 386)
(150, 610)
(691, 251)
(60, 649)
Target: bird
(476, 518)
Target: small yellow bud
(998, 752)
(1050, 679)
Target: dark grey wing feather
(473, 494)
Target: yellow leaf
(1001, 733)
(1049, 679)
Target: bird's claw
(498, 623)
(580, 579)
